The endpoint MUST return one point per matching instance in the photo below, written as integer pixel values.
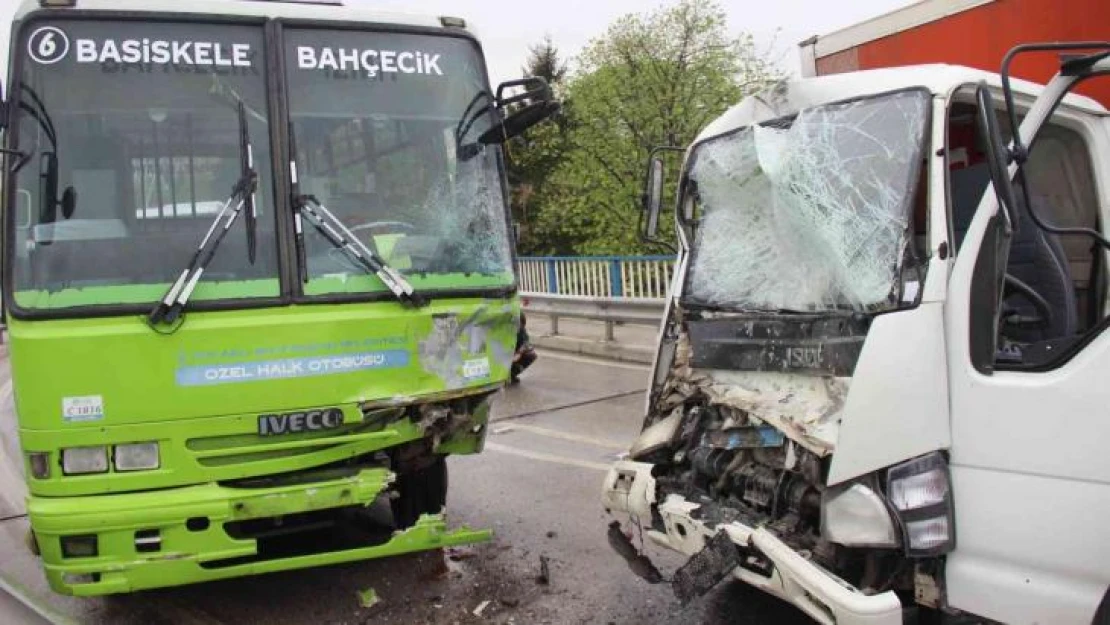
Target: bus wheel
(423, 491)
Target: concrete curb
(609, 350)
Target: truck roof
(302, 9)
(791, 95)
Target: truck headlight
(81, 460)
(136, 456)
(855, 515)
(921, 491)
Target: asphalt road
(537, 486)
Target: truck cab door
(1029, 417)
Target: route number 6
(48, 45)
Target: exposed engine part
(711, 462)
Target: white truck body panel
(1030, 475)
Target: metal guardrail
(612, 289)
(643, 277)
(611, 310)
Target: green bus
(257, 276)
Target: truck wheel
(423, 491)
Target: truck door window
(1062, 270)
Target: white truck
(880, 391)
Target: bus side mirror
(48, 191)
(522, 111)
(3, 109)
(653, 197)
(48, 188)
(998, 157)
(69, 202)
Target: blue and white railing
(611, 289)
(638, 277)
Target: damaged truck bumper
(108, 544)
(766, 562)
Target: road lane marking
(23, 598)
(577, 438)
(601, 362)
(535, 455)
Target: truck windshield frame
(269, 116)
(812, 196)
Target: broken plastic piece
(368, 598)
(706, 568)
(544, 578)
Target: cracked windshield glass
(379, 119)
(140, 132)
(811, 213)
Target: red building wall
(980, 37)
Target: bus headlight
(136, 457)
(81, 460)
(921, 491)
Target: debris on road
(481, 607)
(551, 534)
(368, 598)
(458, 554)
(544, 578)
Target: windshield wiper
(242, 196)
(307, 206)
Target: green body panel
(242, 362)
(200, 392)
(115, 519)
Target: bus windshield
(133, 136)
(139, 119)
(378, 119)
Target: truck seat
(1036, 257)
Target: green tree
(652, 79)
(534, 156)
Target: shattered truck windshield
(809, 213)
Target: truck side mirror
(522, 111)
(998, 157)
(653, 197)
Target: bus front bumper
(135, 541)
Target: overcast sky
(508, 27)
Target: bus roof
(329, 10)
